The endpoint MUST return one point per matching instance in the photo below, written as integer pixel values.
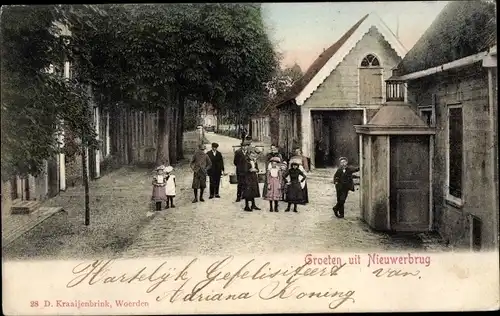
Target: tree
(155, 57)
(35, 101)
(282, 80)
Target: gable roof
(463, 28)
(327, 61)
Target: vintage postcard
(246, 158)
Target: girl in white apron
(169, 187)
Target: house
(208, 116)
(343, 87)
(265, 125)
(451, 82)
(59, 171)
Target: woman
(251, 190)
(303, 163)
(273, 153)
(294, 192)
(273, 186)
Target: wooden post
(108, 137)
(62, 162)
(97, 150)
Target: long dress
(159, 189)
(251, 190)
(268, 166)
(304, 167)
(200, 164)
(170, 185)
(273, 187)
(294, 192)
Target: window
(370, 81)
(427, 114)
(455, 154)
(370, 61)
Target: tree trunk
(172, 124)
(120, 137)
(162, 150)
(112, 131)
(86, 186)
(180, 125)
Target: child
(294, 192)
(274, 183)
(169, 187)
(159, 187)
(251, 190)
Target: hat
(215, 145)
(162, 167)
(275, 159)
(296, 160)
(343, 158)
(246, 143)
(169, 169)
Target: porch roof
(396, 118)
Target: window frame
(382, 97)
(451, 199)
(428, 108)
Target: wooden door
(409, 183)
(370, 85)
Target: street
(220, 226)
(120, 226)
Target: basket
(233, 179)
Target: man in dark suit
(343, 180)
(216, 171)
(240, 161)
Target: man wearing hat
(240, 161)
(200, 164)
(216, 171)
(343, 180)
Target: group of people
(284, 179)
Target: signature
(279, 283)
(390, 273)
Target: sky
(302, 30)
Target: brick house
(343, 87)
(451, 80)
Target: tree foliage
(149, 57)
(282, 80)
(209, 52)
(35, 101)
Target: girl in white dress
(169, 187)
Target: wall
(209, 120)
(341, 88)
(378, 187)
(451, 220)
